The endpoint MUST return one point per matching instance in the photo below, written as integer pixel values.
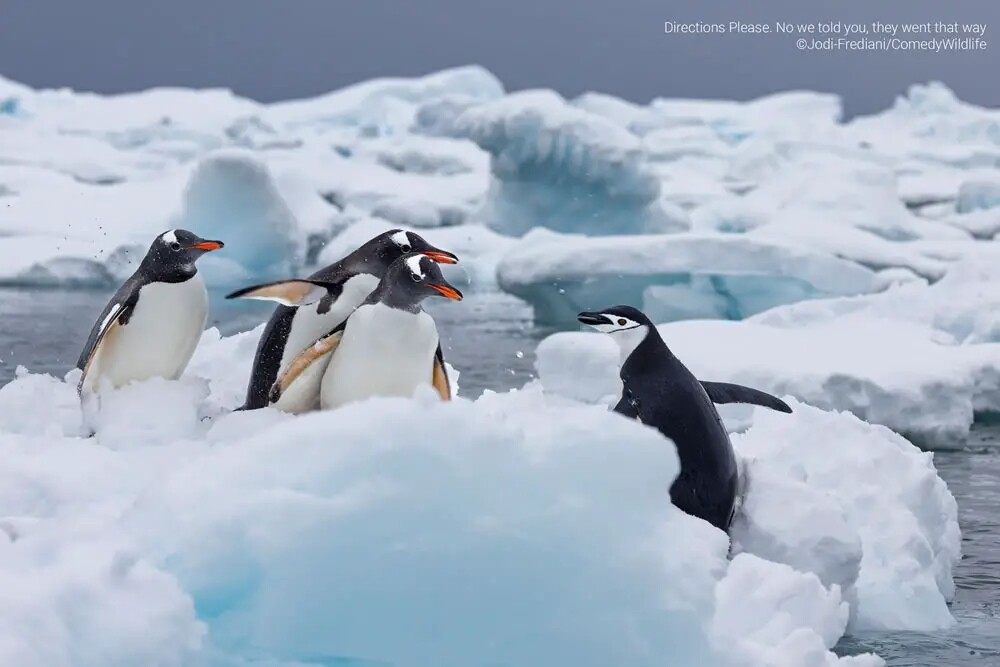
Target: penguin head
(174, 252)
(411, 279)
(616, 319)
(628, 326)
(379, 253)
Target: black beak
(593, 319)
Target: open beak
(593, 319)
(440, 256)
(446, 291)
(207, 246)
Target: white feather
(384, 352)
(307, 326)
(159, 339)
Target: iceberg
(560, 167)
(232, 196)
(673, 276)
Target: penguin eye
(175, 246)
(415, 277)
(405, 247)
(622, 322)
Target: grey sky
(275, 49)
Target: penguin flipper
(301, 366)
(724, 392)
(115, 315)
(292, 293)
(439, 377)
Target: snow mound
(813, 478)
(232, 197)
(673, 276)
(259, 537)
(767, 612)
(834, 465)
(561, 167)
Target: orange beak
(446, 291)
(441, 256)
(208, 246)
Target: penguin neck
(394, 298)
(157, 269)
(644, 339)
(365, 260)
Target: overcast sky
(277, 49)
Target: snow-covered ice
(207, 537)
(671, 276)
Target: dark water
(491, 339)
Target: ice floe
(200, 536)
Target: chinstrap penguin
(389, 346)
(316, 305)
(152, 324)
(659, 391)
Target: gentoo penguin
(152, 324)
(315, 306)
(387, 347)
(659, 391)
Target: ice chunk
(835, 464)
(846, 206)
(232, 196)
(561, 167)
(673, 276)
(976, 195)
(808, 500)
(858, 363)
(47, 261)
(766, 612)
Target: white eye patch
(400, 238)
(414, 264)
(169, 237)
(618, 323)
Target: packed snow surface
(194, 535)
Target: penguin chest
(316, 320)
(160, 336)
(383, 352)
(310, 323)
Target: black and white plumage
(312, 307)
(389, 346)
(659, 391)
(152, 324)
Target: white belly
(309, 325)
(160, 337)
(384, 352)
